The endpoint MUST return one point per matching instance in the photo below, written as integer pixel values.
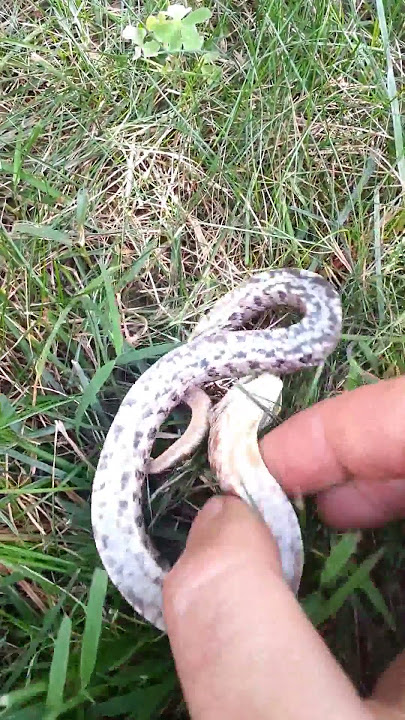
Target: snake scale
(218, 349)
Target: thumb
(242, 645)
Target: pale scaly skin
(217, 351)
(234, 456)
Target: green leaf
(197, 16)
(151, 48)
(192, 41)
(339, 556)
(165, 31)
(57, 673)
(176, 42)
(151, 22)
(92, 628)
(89, 396)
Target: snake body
(217, 350)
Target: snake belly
(219, 350)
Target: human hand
(243, 647)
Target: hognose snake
(217, 349)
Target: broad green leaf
(197, 16)
(165, 31)
(89, 396)
(192, 41)
(151, 22)
(339, 556)
(93, 625)
(57, 673)
(176, 42)
(151, 48)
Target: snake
(219, 348)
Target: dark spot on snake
(151, 434)
(258, 301)
(204, 363)
(102, 463)
(139, 520)
(118, 429)
(104, 541)
(135, 601)
(129, 402)
(125, 478)
(148, 412)
(137, 437)
(123, 504)
(305, 358)
(241, 355)
(282, 296)
(254, 365)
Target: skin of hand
(243, 647)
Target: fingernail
(211, 509)
(204, 526)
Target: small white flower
(130, 32)
(177, 11)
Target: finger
(243, 647)
(388, 699)
(361, 504)
(354, 439)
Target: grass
(131, 198)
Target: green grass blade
(335, 602)
(22, 695)
(93, 625)
(397, 118)
(339, 557)
(58, 671)
(113, 313)
(89, 396)
(42, 231)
